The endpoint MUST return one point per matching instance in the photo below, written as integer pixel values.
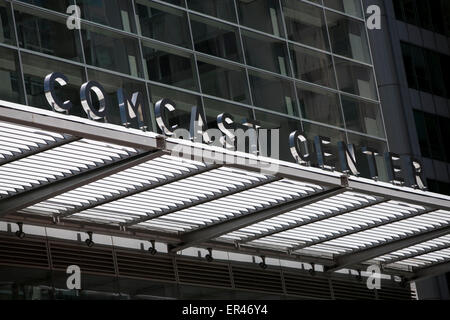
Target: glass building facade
(288, 64)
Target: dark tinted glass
(217, 39)
(184, 103)
(168, 66)
(113, 51)
(114, 13)
(273, 93)
(319, 105)
(163, 23)
(111, 84)
(285, 126)
(47, 34)
(224, 81)
(56, 5)
(275, 57)
(313, 66)
(363, 116)
(263, 15)
(6, 24)
(223, 9)
(10, 88)
(36, 68)
(305, 24)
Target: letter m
(131, 109)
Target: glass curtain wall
(285, 63)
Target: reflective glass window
(176, 2)
(169, 66)
(285, 126)
(351, 7)
(215, 38)
(335, 136)
(55, 5)
(348, 37)
(113, 13)
(223, 80)
(362, 164)
(305, 24)
(319, 105)
(312, 66)
(112, 51)
(356, 78)
(213, 108)
(262, 15)
(223, 9)
(35, 70)
(273, 93)
(6, 24)
(363, 116)
(11, 87)
(163, 23)
(275, 57)
(184, 103)
(111, 84)
(46, 33)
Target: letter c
(49, 89)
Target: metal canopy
(94, 176)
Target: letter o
(86, 100)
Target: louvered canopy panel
(69, 172)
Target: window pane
(422, 134)
(176, 2)
(169, 66)
(273, 93)
(113, 13)
(313, 130)
(408, 61)
(263, 15)
(362, 163)
(56, 5)
(163, 23)
(213, 108)
(444, 125)
(217, 39)
(435, 68)
(319, 105)
(305, 24)
(224, 81)
(286, 127)
(223, 9)
(356, 78)
(313, 66)
(184, 103)
(47, 34)
(111, 84)
(35, 70)
(112, 51)
(363, 116)
(434, 137)
(11, 88)
(348, 37)
(275, 54)
(6, 25)
(351, 7)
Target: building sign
(247, 136)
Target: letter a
(374, 21)
(74, 280)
